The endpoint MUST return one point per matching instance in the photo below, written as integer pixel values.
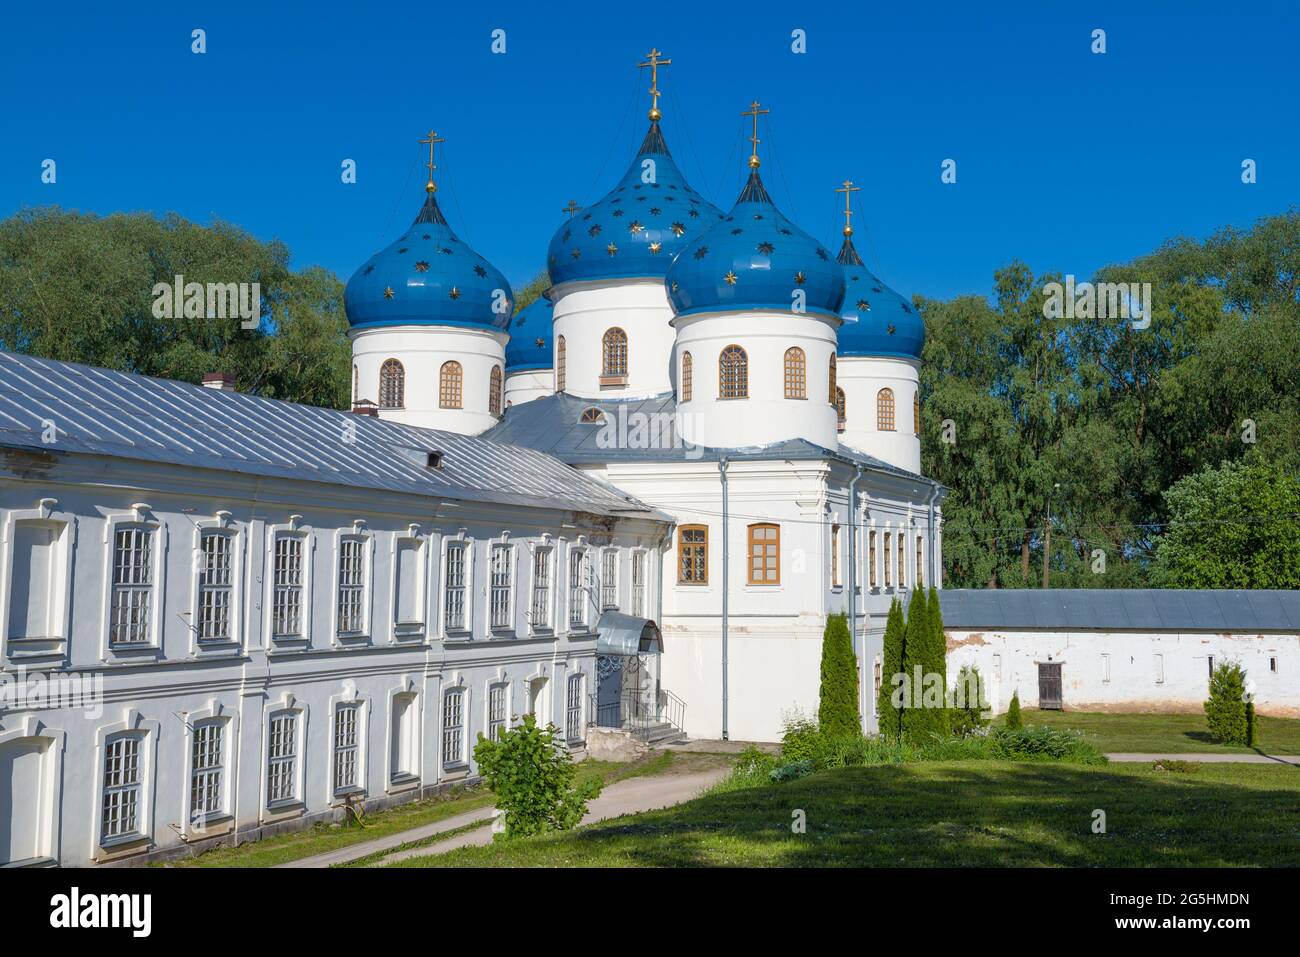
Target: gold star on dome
(577, 254)
(678, 229)
(388, 293)
(655, 247)
(611, 249)
(634, 227)
(422, 266)
(455, 293)
(800, 278)
(730, 278)
(864, 305)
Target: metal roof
(103, 412)
(1114, 609)
(552, 424)
(620, 634)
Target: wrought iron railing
(638, 712)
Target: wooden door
(1049, 686)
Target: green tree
(1013, 712)
(532, 776)
(837, 715)
(532, 290)
(918, 718)
(1237, 526)
(889, 717)
(1225, 712)
(937, 654)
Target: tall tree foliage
(837, 715)
(889, 717)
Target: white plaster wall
(422, 350)
(530, 384)
(160, 689)
(861, 379)
(1009, 662)
(766, 416)
(584, 311)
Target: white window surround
(293, 528)
(141, 516)
(29, 729)
(460, 761)
(357, 533)
(411, 630)
(146, 731)
(219, 822)
(545, 544)
(639, 583)
(467, 627)
(574, 725)
(512, 580)
(60, 615)
(501, 683)
(609, 590)
(397, 775)
(578, 621)
(287, 704)
(348, 698)
(220, 524)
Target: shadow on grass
(976, 814)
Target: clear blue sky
(1066, 159)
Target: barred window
(733, 373)
(885, 410)
(215, 585)
(831, 396)
(841, 409)
(889, 557)
(541, 603)
(573, 710)
(282, 758)
(501, 598)
(578, 589)
(638, 584)
(453, 728)
(687, 373)
(345, 747)
(764, 554)
(871, 559)
(494, 391)
(920, 564)
(796, 374)
(614, 353)
(132, 604)
(455, 586)
(352, 585)
(693, 555)
(902, 561)
(559, 364)
(286, 601)
(496, 711)
(392, 385)
(449, 385)
(609, 579)
(205, 771)
(122, 783)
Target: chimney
(219, 380)
(365, 407)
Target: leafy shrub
(1014, 720)
(531, 774)
(1038, 743)
(801, 739)
(1225, 712)
(791, 771)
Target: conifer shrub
(837, 715)
(966, 714)
(1225, 712)
(889, 716)
(1252, 726)
(1014, 721)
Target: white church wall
(158, 692)
(585, 311)
(862, 379)
(422, 351)
(1137, 671)
(527, 385)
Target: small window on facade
(501, 591)
(541, 603)
(206, 767)
(889, 557)
(392, 385)
(733, 373)
(496, 711)
(832, 396)
(346, 717)
(453, 728)
(1105, 668)
(591, 416)
(841, 409)
(796, 374)
(614, 353)
(1160, 669)
(885, 410)
(578, 589)
(609, 578)
(573, 710)
(352, 584)
(457, 557)
(693, 555)
(450, 381)
(494, 391)
(687, 373)
(871, 559)
(920, 563)
(282, 759)
(123, 780)
(215, 583)
(764, 554)
(559, 364)
(902, 561)
(638, 584)
(1210, 662)
(132, 604)
(286, 599)
(1272, 665)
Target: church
(722, 366)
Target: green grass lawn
(967, 813)
(1172, 733)
(321, 838)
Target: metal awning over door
(620, 634)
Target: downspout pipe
(934, 539)
(853, 592)
(723, 464)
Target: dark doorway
(1049, 686)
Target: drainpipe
(934, 537)
(853, 589)
(723, 463)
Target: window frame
(363, 542)
(391, 371)
(579, 618)
(461, 759)
(294, 759)
(543, 599)
(738, 379)
(686, 387)
(400, 778)
(353, 748)
(497, 692)
(615, 356)
(464, 628)
(795, 367)
(886, 420)
(128, 749)
(216, 776)
(750, 541)
(138, 519)
(451, 385)
(872, 576)
(561, 356)
(495, 587)
(835, 556)
(307, 546)
(701, 546)
(574, 727)
(218, 529)
(58, 605)
(409, 630)
(637, 581)
(609, 589)
(495, 382)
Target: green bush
(1252, 726)
(791, 771)
(966, 716)
(837, 715)
(891, 718)
(1225, 712)
(1014, 720)
(1038, 743)
(532, 774)
(801, 739)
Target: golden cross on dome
(755, 112)
(572, 208)
(654, 63)
(433, 140)
(848, 189)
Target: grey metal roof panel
(105, 412)
(1138, 609)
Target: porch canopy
(620, 634)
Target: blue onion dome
(428, 277)
(754, 259)
(530, 337)
(877, 320)
(635, 230)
